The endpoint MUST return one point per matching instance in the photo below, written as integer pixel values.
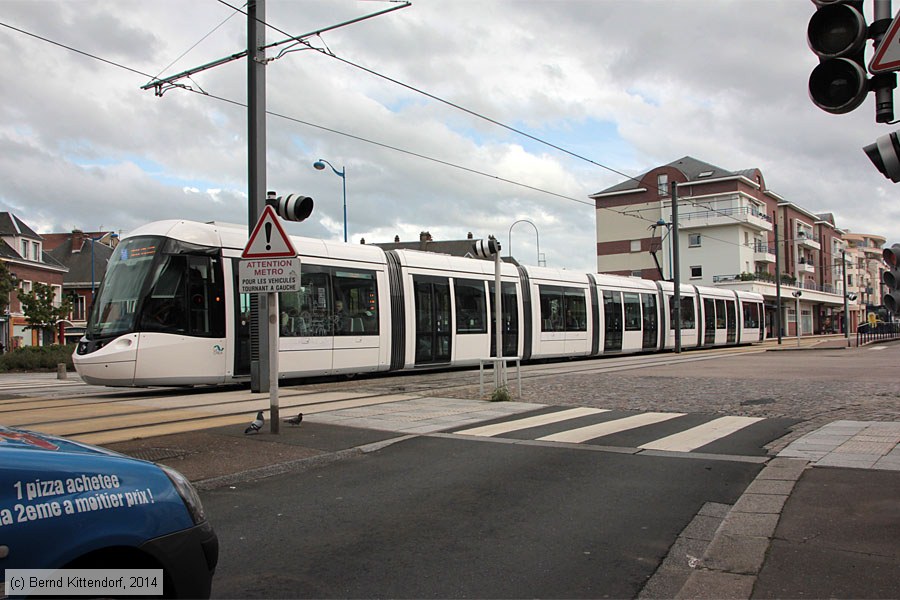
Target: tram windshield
(155, 284)
(115, 308)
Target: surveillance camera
(797, 294)
(885, 155)
(851, 296)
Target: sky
(621, 86)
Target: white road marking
(582, 434)
(701, 435)
(507, 426)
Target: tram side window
(552, 308)
(471, 311)
(306, 312)
(632, 312)
(330, 302)
(751, 315)
(576, 310)
(355, 307)
(688, 318)
(720, 314)
(563, 309)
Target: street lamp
(320, 165)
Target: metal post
(498, 335)
(777, 281)
(676, 267)
(344, 183)
(797, 316)
(846, 297)
(272, 330)
(256, 172)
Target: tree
(7, 285)
(39, 309)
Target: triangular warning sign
(887, 54)
(268, 239)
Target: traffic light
(486, 248)
(885, 155)
(892, 278)
(837, 34)
(292, 207)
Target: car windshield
(115, 308)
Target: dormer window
(662, 184)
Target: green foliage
(37, 358)
(39, 309)
(501, 394)
(7, 285)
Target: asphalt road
(438, 517)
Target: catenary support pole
(256, 174)
(846, 318)
(498, 334)
(777, 281)
(676, 268)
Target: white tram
(169, 311)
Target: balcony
(805, 266)
(763, 253)
(726, 216)
(806, 239)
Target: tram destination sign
(269, 275)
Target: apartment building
(734, 233)
(865, 267)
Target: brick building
(732, 231)
(22, 251)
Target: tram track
(125, 415)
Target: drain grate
(157, 454)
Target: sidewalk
(829, 528)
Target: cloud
(625, 85)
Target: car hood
(32, 440)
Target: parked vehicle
(68, 505)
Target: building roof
(693, 170)
(80, 262)
(10, 224)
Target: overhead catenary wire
(376, 143)
(324, 128)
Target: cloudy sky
(626, 85)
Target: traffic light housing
(837, 34)
(292, 207)
(885, 155)
(891, 278)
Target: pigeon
(257, 424)
(295, 420)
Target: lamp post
(320, 165)
(536, 234)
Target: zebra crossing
(670, 432)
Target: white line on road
(582, 434)
(507, 426)
(701, 435)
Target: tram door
(509, 307)
(432, 296)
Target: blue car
(68, 505)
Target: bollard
(60, 370)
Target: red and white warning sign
(887, 54)
(268, 239)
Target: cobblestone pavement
(816, 386)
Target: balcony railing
(769, 278)
(725, 212)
